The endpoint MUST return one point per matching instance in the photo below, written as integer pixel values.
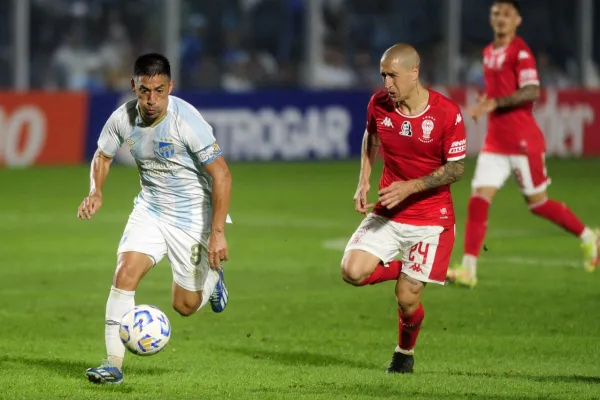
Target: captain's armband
(209, 154)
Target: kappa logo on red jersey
(387, 122)
(406, 129)
(458, 119)
(427, 127)
(523, 55)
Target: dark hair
(152, 64)
(513, 3)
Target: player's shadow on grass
(70, 368)
(536, 378)
(295, 358)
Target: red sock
(560, 214)
(382, 273)
(409, 327)
(476, 224)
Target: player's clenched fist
(394, 194)
(217, 250)
(360, 199)
(89, 206)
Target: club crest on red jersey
(427, 127)
(406, 129)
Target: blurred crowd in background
(242, 45)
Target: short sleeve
(526, 68)
(196, 133)
(371, 122)
(198, 136)
(111, 139)
(455, 137)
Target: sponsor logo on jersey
(458, 119)
(458, 146)
(387, 122)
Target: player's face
(398, 80)
(153, 94)
(504, 19)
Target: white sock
(118, 304)
(209, 286)
(588, 235)
(405, 352)
(470, 263)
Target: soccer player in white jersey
(180, 212)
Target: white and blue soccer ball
(145, 330)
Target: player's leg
(194, 283)
(141, 247)
(530, 172)
(365, 260)
(425, 259)
(491, 171)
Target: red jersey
(505, 70)
(414, 147)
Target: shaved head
(403, 54)
(399, 69)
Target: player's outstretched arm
(370, 147)
(98, 172)
(217, 248)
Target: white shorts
(493, 170)
(424, 250)
(187, 252)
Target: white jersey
(169, 156)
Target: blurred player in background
(514, 144)
(180, 212)
(421, 136)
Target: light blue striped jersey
(169, 157)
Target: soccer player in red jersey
(514, 143)
(421, 136)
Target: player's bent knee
(351, 272)
(131, 268)
(185, 309)
(536, 199)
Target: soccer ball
(145, 330)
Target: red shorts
(424, 250)
(529, 170)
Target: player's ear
(132, 84)
(171, 84)
(415, 73)
(519, 20)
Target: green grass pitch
(293, 329)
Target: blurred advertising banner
(301, 125)
(265, 126)
(42, 128)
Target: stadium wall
(56, 128)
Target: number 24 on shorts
(422, 249)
